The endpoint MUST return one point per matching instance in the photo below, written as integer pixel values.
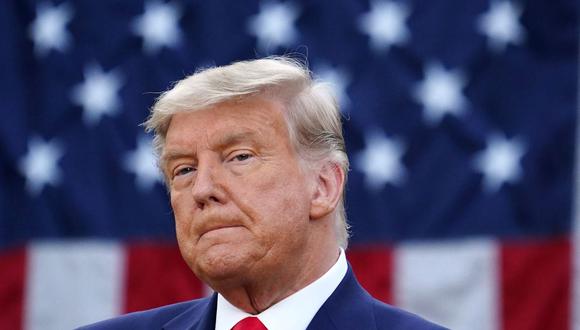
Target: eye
(241, 157)
(183, 170)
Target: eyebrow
(234, 138)
(222, 143)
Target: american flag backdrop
(461, 126)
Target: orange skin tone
(252, 221)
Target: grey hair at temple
(311, 111)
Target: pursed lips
(217, 227)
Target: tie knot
(250, 323)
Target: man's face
(240, 198)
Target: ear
(327, 190)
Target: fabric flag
(461, 126)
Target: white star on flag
(338, 79)
(143, 164)
(381, 161)
(40, 165)
(98, 94)
(48, 31)
(385, 24)
(274, 26)
(500, 162)
(501, 25)
(440, 93)
(158, 26)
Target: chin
(222, 262)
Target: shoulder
(149, 319)
(351, 307)
(390, 317)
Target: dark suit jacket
(349, 307)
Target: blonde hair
(312, 113)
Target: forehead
(253, 117)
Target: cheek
(182, 213)
(290, 190)
(181, 209)
(277, 202)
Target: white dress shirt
(292, 313)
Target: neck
(259, 292)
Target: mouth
(220, 229)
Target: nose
(207, 189)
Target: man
(255, 163)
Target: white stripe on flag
(575, 305)
(454, 284)
(72, 283)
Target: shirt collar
(293, 312)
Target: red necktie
(250, 323)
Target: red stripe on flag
(535, 288)
(373, 267)
(156, 275)
(12, 275)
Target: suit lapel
(200, 316)
(349, 307)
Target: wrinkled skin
(251, 222)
